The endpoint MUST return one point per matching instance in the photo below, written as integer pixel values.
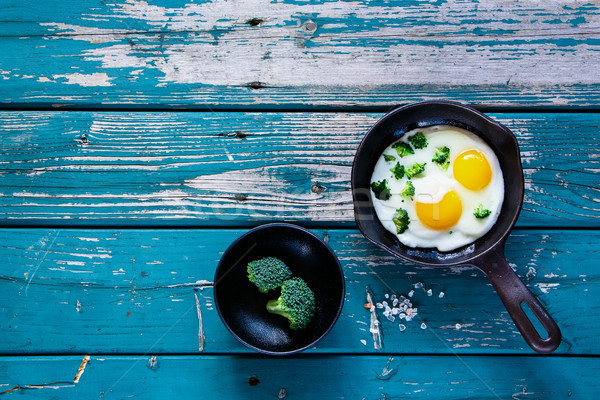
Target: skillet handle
(514, 293)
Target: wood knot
(83, 139)
(253, 381)
(241, 197)
(317, 188)
(240, 134)
(255, 21)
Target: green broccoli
(401, 220)
(388, 158)
(296, 303)
(442, 157)
(418, 140)
(398, 171)
(481, 212)
(408, 191)
(403, 149)
(381, 190)
(268, 273)
(416, 169)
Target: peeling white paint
(94, 79)
(86, 239)
(546, 287)
(335, 59)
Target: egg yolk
(472, 170)
(442, 215)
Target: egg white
(432, 184)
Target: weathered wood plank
(339, 377)
(237, 169)
(270, 54)
(133, 291)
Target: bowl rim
(304, 231)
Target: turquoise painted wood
(191, 377)
(241, 169)
(113, 217)
(66, 291)
(272, 55)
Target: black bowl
(242, 307)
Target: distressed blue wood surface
(271, 54)
(240, 169)
(305, 377)
(66, 291)
(127, 296)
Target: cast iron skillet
(486, 253)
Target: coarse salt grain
(458, 326)
(402, 327)
(429, 292)
(410, 294)
(423, 325)
(442, 294)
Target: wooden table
(140, 138)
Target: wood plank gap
(150, 108)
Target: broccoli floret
(416, 169)
(296, 303)
(401, 220)
(408, 191)
(403, 149)
(442, 157)
(418, 140)
(381, 190)
(481, 212)
(268, 273)
(398, 171)
(388, 158)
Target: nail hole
(255, 21)
(241, 197)
(240, 134)
(256, 85)
(317, 188)
(253, 381)
(310, 26)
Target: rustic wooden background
(140, 138)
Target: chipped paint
(508, 59)
(546, 287)
(85, 80)
(81, 369)
(375, 325)
(200, 325)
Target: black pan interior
(419, 115)
(242, 307)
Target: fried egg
(446, 194)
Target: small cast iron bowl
(487, 252)
(242, 307)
